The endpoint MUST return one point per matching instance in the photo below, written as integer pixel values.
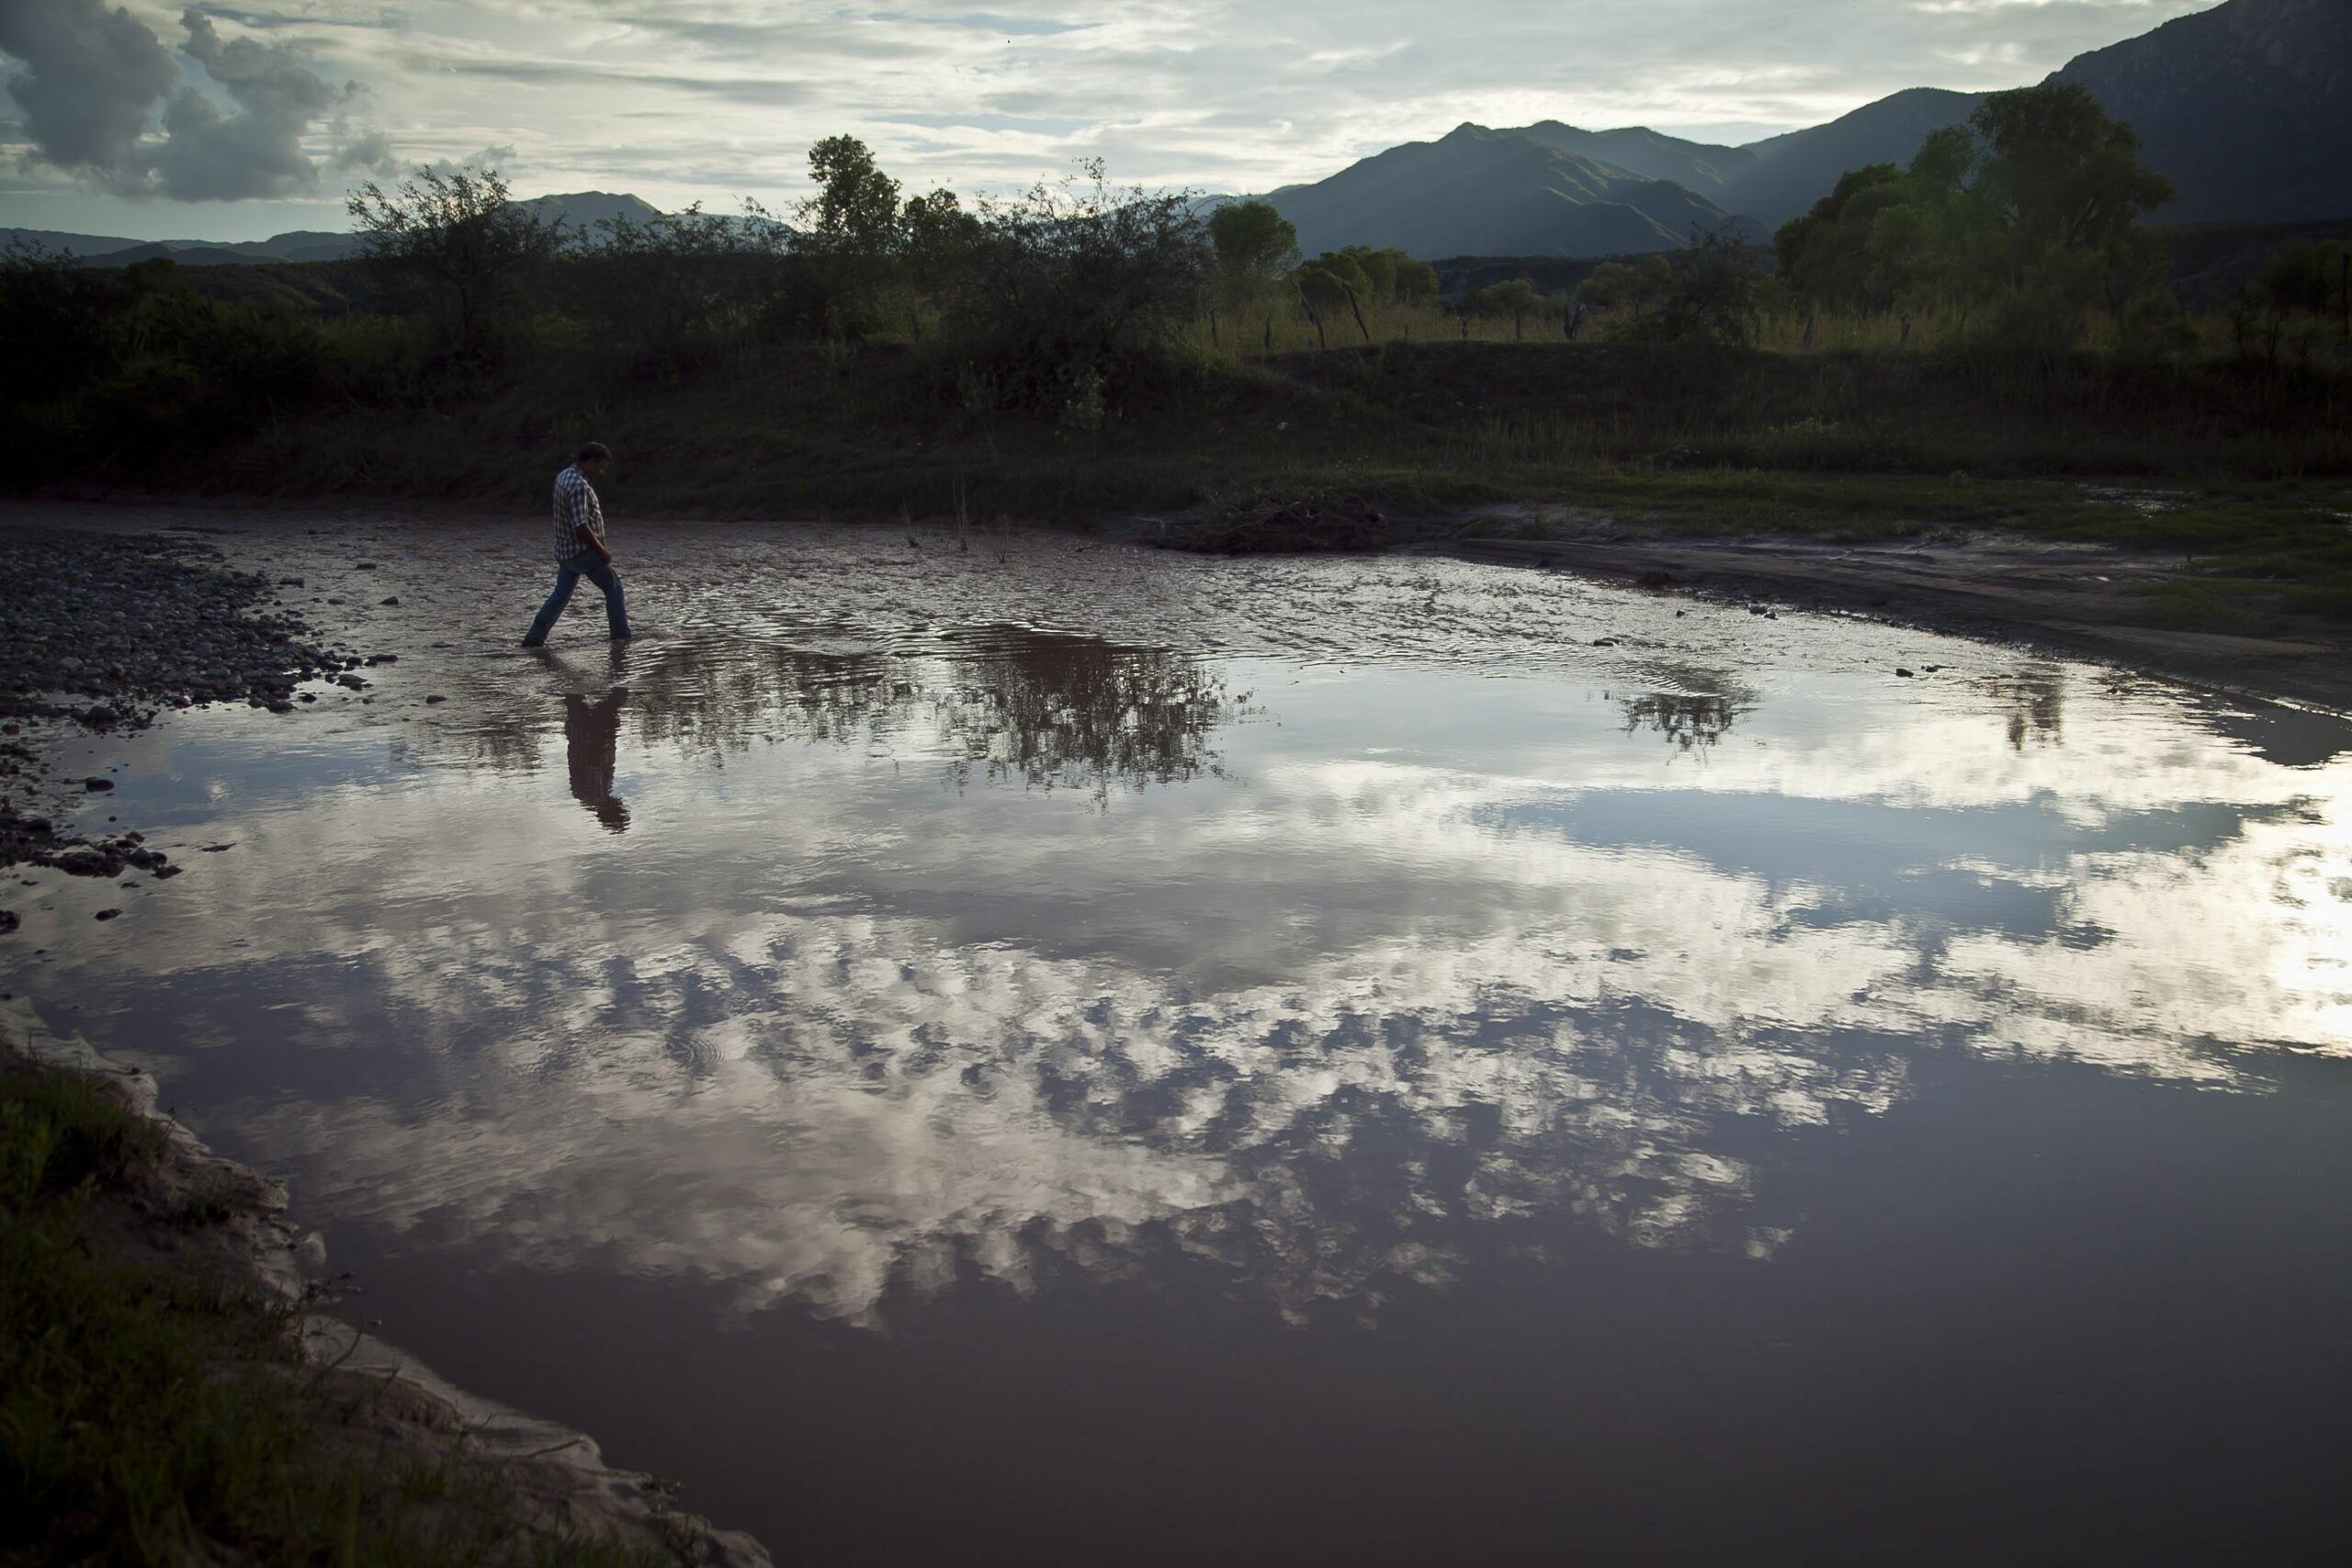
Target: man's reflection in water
(592, 732)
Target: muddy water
(1033, 1052)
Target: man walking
(580, 547)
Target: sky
(239, 121)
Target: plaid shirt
(575, 504)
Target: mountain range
(2247, 107)
(579, 210)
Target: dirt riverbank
(548, 1488)
(2068, 599)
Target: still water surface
(1046, 1054)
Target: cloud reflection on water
(878, 988)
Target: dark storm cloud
(98, 85)
(91, 82)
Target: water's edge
(557, 1476)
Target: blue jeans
(590, 565)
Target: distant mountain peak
(578, 211)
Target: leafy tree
(1946, 161)
(2059, 174)
(1711, 295)
(1333, 279)
(2036, 202)
(1378, 267)
(1619, 285)
(1336, 277)
(455, 243)
(673, 278)
(1826, 256)
(855, 209)
(1256, 247)
(1517, 299)
(1416, 282)
(1081, 282)
(938, 243)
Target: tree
(1416, 281)
(1619, 285)
(938, 244)
(456, 242)
(2036, 202)
(1256, 247)
(1517, 300)
(847, 244)
(1825, 256)
(1077, 285)
(1336, 279)
(855, 209)
(2059, 174)
(672, 278)
(1711, 291)
(1378, 267)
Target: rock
(105, 914)
(96, 785)
(436, 697)
(8, 922)
(1905, 673)
(389, 600)
(86, 860)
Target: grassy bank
(154, 1407)
(872, 430)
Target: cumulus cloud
(103, 99)
(92, 81)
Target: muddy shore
(2071, 599)
(2063, 599)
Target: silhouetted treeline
(1077, 310)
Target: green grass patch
(2235, 606)
(156, 1412)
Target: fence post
(1320, 341)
